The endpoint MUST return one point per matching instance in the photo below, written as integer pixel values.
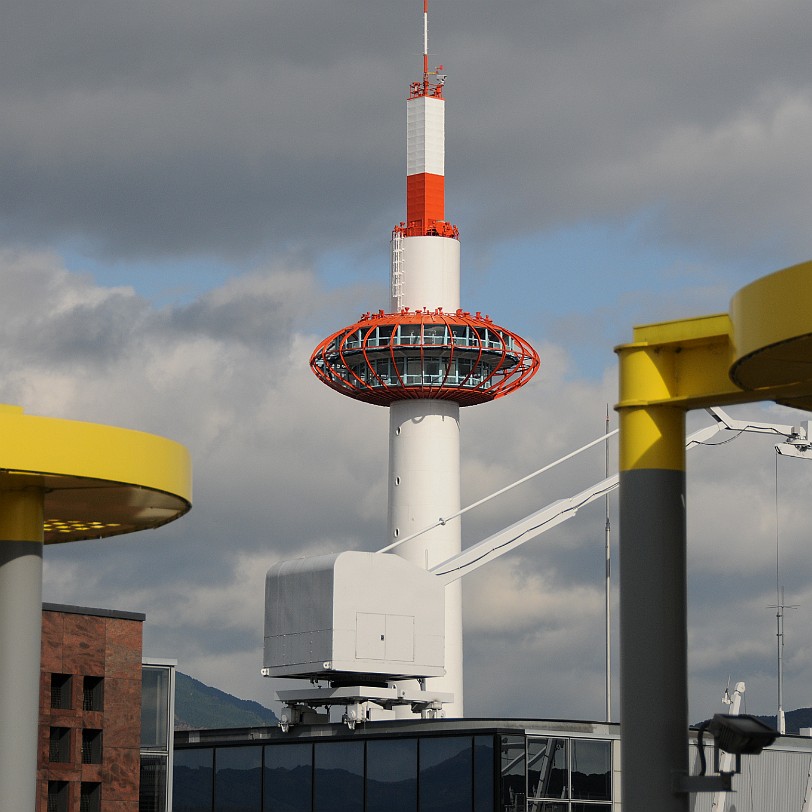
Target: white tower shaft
(424, 434)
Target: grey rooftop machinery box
(353, 616)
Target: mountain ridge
(201, 707)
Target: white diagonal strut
(473, 557)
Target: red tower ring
(385, 357)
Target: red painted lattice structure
(385, 357)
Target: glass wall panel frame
(446, 771)
(338, 776)
(593, 782)
(294, 757)
(391, 774)
(194, 792)
(548, 760)
(238, 778)
(579, 790)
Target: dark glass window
(58, 796)
(61, 691)
(338, 777)
(483, 774)
(392, 775)
(446, 772)
(514, 780)
(288, 778)
(192, 781)
(90, 797)
(155, 708)
(238, 779)
(434, 370)
(152, 790)
(91, 747)
(546, 768)
(93, 693)
(59, 749)
(591, 770)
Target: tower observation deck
(424, 358)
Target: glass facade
(155, 708)
(193, 779)
(157, 735)
(591, 770)
(474, 772)
(338, 777)
(446, 774)
(484, 783)
(152, 787)
(568, 774)
(546, 768)
(288, 778)
(392, 775)
(238, 779)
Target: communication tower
(424, 358)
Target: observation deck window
(354, 340)
(407, 334)
(379, 337)
(433, 371)
(460, 335)
(435, 334)
(414, 370)
(488, 338)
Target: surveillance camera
(741, 735)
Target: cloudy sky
(196, 192)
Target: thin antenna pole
(426, 44)
(780, 606)
(779, 615)
(608, 579)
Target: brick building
(90, 710)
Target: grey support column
(21, 541)
(653, 639)
(653, 617)
(20, 633)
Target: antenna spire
(433, 80)
(426, 44)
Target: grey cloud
(151, 129)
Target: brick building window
(91, 747)
(90, 797)
(61, 691)
(59, 750)
(93, 693)
(57, 796)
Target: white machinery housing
(353, 616)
